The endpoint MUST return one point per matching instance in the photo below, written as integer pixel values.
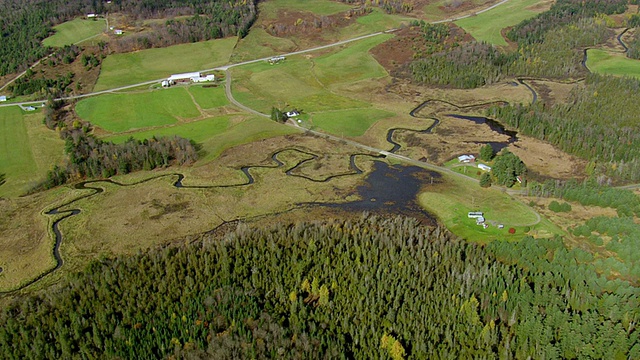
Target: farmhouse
(276, 59)
(292, 113)
(484, 167)
(475, 214)
(3, 98)
(90, 16)
(189, 77)
(466, 158)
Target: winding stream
(246, 170)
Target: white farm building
(190, 77)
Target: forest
(23, 24)
(367, 288)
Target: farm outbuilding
(484, 167)
(190, 77)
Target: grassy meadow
(271, 9)
(145, 65)
(605, 62)
(27, 150)
(354, 122)
(122, 112)
(445, 9)
(488, 25)
(74, 31)
(452, 201)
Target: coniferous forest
(368, 288)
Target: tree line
(91, 157)
(369, 288)
(597, 123)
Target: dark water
(495, 127)
(392, 190)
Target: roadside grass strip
(487, 26)
(605, 62)
(452, 203)
(122, 112)
(351, 123)
(74, 31)
(140, 66)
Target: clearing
(74, 31)
(606, 62)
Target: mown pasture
(145, 65)
(606, 62)
(122, 112)
(445, 9)
(452, 201)
(27, 150)
(272, 9)
(488, 26)
(74, 31)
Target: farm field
(74, 31)
(209, 97)
(122, 112)
(351, 123)
(306, 82)
(145, 65)
(488, 25)
(452, 201)
(605, 62)
(27, 150)
(445, 9)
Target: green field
(376, 21)
(605, 62)
(488, 25)
(122, 112)
(132, 68)
(74, 31)
(353, 122)
(461, 196)
(436, 10)
(27, 150)
(209, 97)
(352, 63)
(306, 83)
(260, 44)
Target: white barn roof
(184, 76)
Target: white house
(484, 167)
(292, 113)
(466, 158)
(3, 98)
(276, 59)
(165, 83)
(91, 16)
(475, 214)
(117, 32)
